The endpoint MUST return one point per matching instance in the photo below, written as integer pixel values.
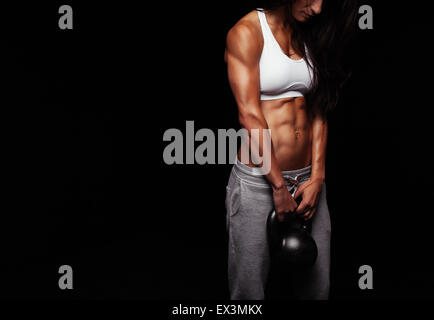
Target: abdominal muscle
(291, 132)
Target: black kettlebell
(290, 241)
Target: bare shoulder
(248, 27)
(245, 35)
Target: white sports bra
(280, 76)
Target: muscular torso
(291, 129)
(291, 132)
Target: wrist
(318, 178)
(278, 186)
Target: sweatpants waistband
(255, 175)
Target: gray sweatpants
(249, 200)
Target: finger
(305, 214)
(299, 191)
(310, 214)
(302, 207)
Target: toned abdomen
(291, 132)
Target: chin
(301, 18)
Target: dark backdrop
(84, 112)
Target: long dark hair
(326, 37)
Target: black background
(85, 184)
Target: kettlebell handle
(293, 217)
(302, 222)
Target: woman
(285, 74)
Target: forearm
(319, 146)
(261, 144)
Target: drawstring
(294, 181)
(291, 179)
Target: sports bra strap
(263, 22)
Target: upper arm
(243, 51)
